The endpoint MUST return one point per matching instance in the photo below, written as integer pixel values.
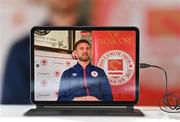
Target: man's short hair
(81, 41)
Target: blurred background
(158, 21)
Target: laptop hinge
(39, 107)
(130, 108)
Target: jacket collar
(79, 67)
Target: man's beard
(84, 58)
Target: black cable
(165, 99)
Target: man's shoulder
(69, 70)
(21, 45)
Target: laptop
(82, 71)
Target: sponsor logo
(44, 83)
(68, 63)
(42, 32)
(43, 73)
(74, 74)
(57, 73)
(55, 94)
(44, 61)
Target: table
(151, 113)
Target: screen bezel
(81, 103)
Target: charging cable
(169, 103)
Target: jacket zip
(85, 82)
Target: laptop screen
(85, 64)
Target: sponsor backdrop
(115, 53)
(49, 67)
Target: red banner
(114, 51)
